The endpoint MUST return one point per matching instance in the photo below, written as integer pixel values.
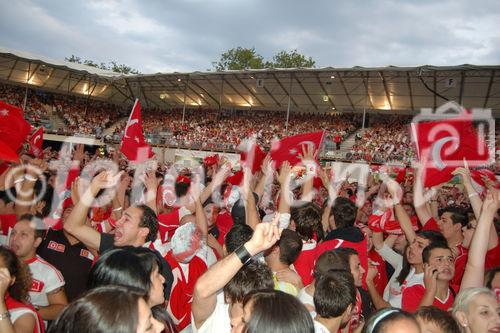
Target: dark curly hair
(150, 221)
(20, 289)
(307, 218)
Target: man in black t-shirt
(70, 256)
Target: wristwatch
(243, 254)
(5, 315)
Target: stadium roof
(328, 89)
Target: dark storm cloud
(188, 35)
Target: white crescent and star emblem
(4, 112)
(132, 122)
(437, 147)
(36, 138)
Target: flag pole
(288, 107)
(185, 97)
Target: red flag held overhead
(289, 148)
(133, 145)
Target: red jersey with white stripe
(46, 278)
(412, 296)
(18, 309)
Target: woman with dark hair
(391, 320)
(17, 315)
(116, 309)
(273, 311)
(133, 267)
(408, 269)
(129, 267)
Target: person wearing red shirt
(450, 224)
(307, 220)
(436, 290)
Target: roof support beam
(408, 80)
(205, 92)
(488, 91)
(366, 88)
(286, 92)
(200, 95)
(130, 89)
(163, 86)
(325, 92)
(77, 82)
(462, 81)
(249, 91)
(387, 95)
(122, 93)
(305, 92)
(143, 94)
(12, 69)
(63, 80)
(30, 76)
(272, 96)
(186, 87)
(435, 87)
(346, 92)
(236, 91)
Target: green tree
(121, 68)
(239, 58)
(111, 66)
(290, 59)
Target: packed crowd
(81, 115)
(387, 139)
(211, 129)
(35, 111)
(158, 248)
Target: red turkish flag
(13, 131)
(36, 142)
(289, 148)
(253, 157)
(133, 145)
(443, 145)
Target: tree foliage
(244, 58)
(290, 59)
(111, 66)
(239, 58)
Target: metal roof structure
(328, 89)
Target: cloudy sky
(187, 35)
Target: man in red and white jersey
(436, 290)
(47, 290)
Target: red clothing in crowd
(412, 296)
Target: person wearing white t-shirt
(47, 290)
(334, 300)
(237, 274)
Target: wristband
(473, 194)
(243, 254)
(117, 209)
